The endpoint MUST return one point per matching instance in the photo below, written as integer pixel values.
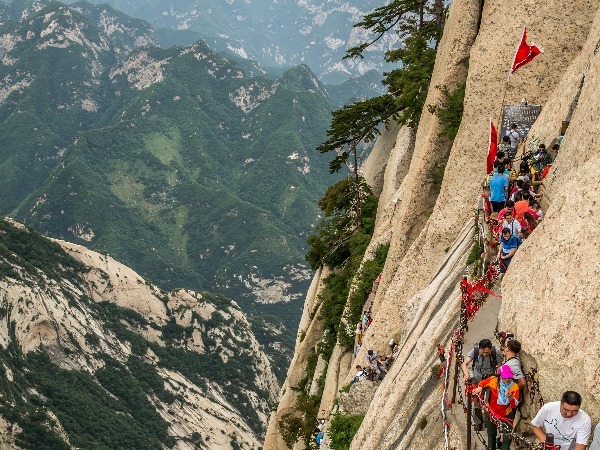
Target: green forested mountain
(174, 161)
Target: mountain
(283, 33)
(357, 88)
(176, 161)
(94, 356)
(431, 289)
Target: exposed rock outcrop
(58, 306)
(356, 400)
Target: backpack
(493, 357)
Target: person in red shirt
(536, 211)
(528, 223)
(510, 207)
(504, 399)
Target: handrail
(473, 296)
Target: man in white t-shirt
(570, 425)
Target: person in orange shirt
(521, 204)
(504, 399)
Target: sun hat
(506, 371)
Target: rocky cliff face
(429, 234)
(202, 378)
(563, 295)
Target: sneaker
(478, 427)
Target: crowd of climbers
(514, 208)
(513, 213)
(561, 425)
(377, 366)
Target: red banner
(492, 148)
(525, 53)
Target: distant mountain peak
(303, 79)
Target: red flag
(525, 53)
(492, 148)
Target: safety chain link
(506, 426)
(474, 295)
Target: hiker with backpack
(511, 349)
(504, 399)
(484, 358)
(376, 365)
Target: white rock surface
(57, 316)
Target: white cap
(392, 342)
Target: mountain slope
(175, 160)
(95, 356)
(281, 34)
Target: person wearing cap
(504, 399)
(393, 353)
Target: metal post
(469, 416)
(455, 381)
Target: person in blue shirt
(498, 189)
(509, 243)
(319, 435)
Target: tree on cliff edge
(419, 23)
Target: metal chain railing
(506, 425)
(474, 295)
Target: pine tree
(419, 23)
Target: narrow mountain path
(482, 326)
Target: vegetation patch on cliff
(85, 405)
(342, 430)
(450, 109)
(20, 246)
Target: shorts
(504, 263)
(497, 206)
